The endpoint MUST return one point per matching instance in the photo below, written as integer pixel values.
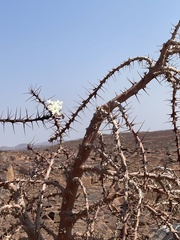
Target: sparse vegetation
(69, 193)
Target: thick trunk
(29, 228)
(67, 219)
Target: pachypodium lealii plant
(100, 189)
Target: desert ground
(160, 151)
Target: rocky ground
(160, 150)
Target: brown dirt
(160, 149)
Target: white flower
(54, 106)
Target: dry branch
(44, 206)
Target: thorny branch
(48, 204)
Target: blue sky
(63, 45)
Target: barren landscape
(121, 185)
(160, 150)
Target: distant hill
(23, 146)
(159, 137)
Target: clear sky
(64, 45)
